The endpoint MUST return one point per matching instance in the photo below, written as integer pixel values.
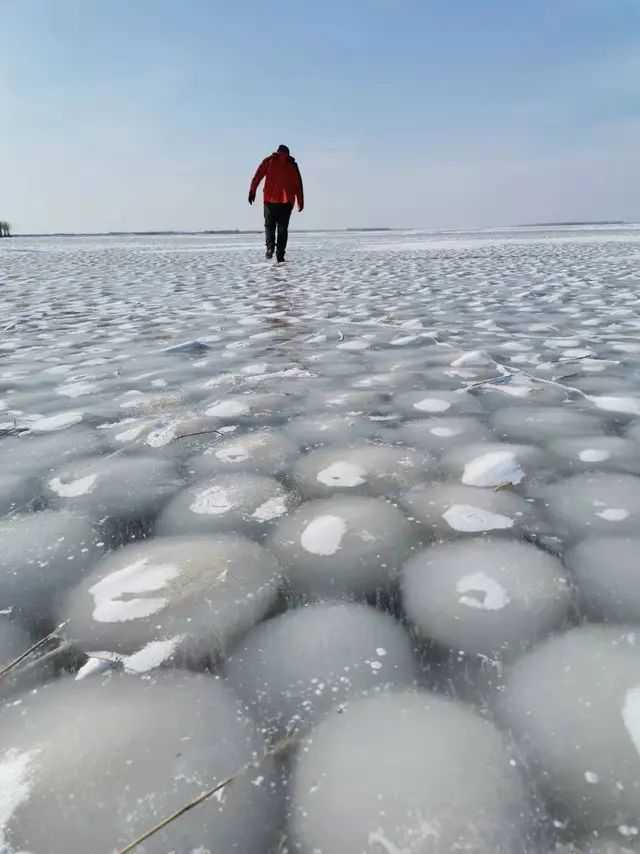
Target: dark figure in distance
(282, 189)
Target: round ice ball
(420, 404)
(485, 597)
(438, 435)
(594, 503)
(131, 487)
(340, 651)
(33, 455)
(366, 469)
(598, 452)
(607, 575)
(172, 597)
(573, 703)
(246, 503)
(262, 452)
(91, 765)
(449, 510)
(342, 546)
(41, 554)
(309, 431)
(407, 772)
(541, 423)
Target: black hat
(284, 149)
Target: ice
(439, 781)
(485, 597)
(361, 470)
(342, 651)
(607, 577)
(72, 746)
(373, 539)
(204, 590)
(589, 704)
(598, 503)
(463, 405)
(240, 502)
(450, 510)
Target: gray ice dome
(598, 452)
(493, 464)
(483, 596)
(172, 599)
(261, 452)
(17, 492)
(246, 503)
(544, 423)
(451, 510)
(573, 704)
(607, 574)
(177, 436)
(91, 765)
(292, 670)
(250, 408)
(438, 435)
(422, 404)
(343, 546)
(35, 455)
(330, 429)
(122, 487)
(594, 503)
(389, 381)
(360, 470)
(41, 554)
(350, 401)
(407, 772)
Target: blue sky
(153, 114)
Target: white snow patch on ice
(631, 715)
(493, 469)
(593, 455)
(228, 408)
(162, 436)
(626, 405)
(432, 404)
(467, 518)
(487, 594)
(236, 453)
(138, 577)
(152, 655)
(323, 536)
(342, 473)
(77, 389)
(212, 501)
(614, 514)
(15, 788)
(50, 423)
(444, 432)
(73, 488)
(272, 508)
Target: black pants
(277, 216)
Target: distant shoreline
(365, 230)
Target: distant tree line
(5, 229)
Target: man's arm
(261, 171)
(300, 190)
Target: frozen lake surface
(382, 503)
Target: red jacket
(283, 182)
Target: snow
(493, 469)
(323, 535)
(464, 517)
(113, 595)
(343, 474)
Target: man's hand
(252, 198)
(300, 208)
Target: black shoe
(268, 254)
(280, 259)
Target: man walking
(282, 188)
